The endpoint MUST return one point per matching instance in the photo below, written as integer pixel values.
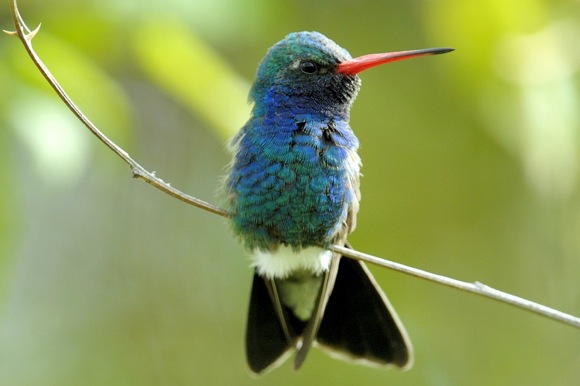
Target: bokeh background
(471, 166)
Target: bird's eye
(308, 67)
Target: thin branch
(476, 288)
(26, 35)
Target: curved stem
(26, 35)
(476, 288)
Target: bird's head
(301, 70)
(306, 70)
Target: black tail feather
(359, 323)
(266, 342)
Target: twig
(476, 288)
(26, 35)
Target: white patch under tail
(283, 261)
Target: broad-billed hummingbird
(293, 190)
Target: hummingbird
(293, 190)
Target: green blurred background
(471, 165)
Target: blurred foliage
(471, 170)
(214, 92)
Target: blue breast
(289, 182)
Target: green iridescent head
(304, 65)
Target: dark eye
(308, 67)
